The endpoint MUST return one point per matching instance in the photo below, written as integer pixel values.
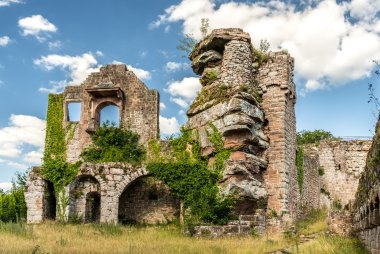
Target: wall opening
(85, 199)
(92, 213)
(147, 200)
(73, 111)
(49, 202)
(110, 114)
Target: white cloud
(183, 91)
(17, 165)
(4, 41)
(140, 73)
(36, 26)
(22, 130)
(5, 186)
(162, 106)
(168, 126)
(326, 44)
(9, 2)
(77, 67)
(54, 45)
(34, 157)
(174, 66)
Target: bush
(112, 144)
(313, 137)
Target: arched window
(109, 113)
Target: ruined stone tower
(252, 104)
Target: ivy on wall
(193, 180)
(55, 167)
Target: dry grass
(57, 238)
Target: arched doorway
(92, 213)
(49, 201)
(85, 199)
(147, 201)
(109, 113)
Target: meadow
(52, 237)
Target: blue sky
(46, 45)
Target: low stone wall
(245, 225)
(371, 238)
(340, 223)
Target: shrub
(112, 144)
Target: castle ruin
(248, 99)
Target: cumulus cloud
(5, 186)
(331, 42)
(4, 3)
(162, 106)
(37, 26)
(140, 73)
(168, 126)
(183, 91)
(4, 41)
(34, 157)
(22, 131)
(76, 67)
(174, 66)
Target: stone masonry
(366, 209)
(98, 191)
(261, 132)
(112, 85)
(340, 164)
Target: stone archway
(147, 201)
(92, 210)
(84, 197)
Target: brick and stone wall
(275, 79)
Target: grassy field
(57, 238)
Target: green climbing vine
(55, 167)
(189, 176)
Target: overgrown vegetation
(55, 167)
(12, 203)
(309, 137)
(114, 144)
(195, 182)
(165, 239)
(313, 137)
(261, 55)
(299, 165)
(209, 77)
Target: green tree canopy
(311, 137)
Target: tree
(311, 137)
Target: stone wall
(116, 85)
(366, 208)
(253, 225)
(275, 79)
(39, 198)
(309, 197)
(147, 200)
(340, 164)
(109, 181)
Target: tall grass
(59, 238)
